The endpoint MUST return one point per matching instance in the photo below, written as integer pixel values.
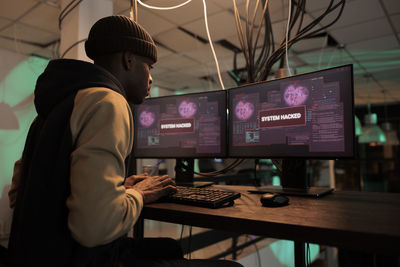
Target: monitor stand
(184, 174)
(294, 181)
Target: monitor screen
(183, 126)
(304, 116)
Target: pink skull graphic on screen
(147, 118)
(295, 95)
(187, 109)
(244, 110)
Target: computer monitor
(183, 127)
(307, 116)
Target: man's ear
(128, 59)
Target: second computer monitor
(304, 116)
(181, 126)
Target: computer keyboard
(204, 197)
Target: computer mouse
(274, 200)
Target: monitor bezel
(352, 152)
(224, 145)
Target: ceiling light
(372, 133)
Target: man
(71, 206)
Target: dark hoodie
(39, 233)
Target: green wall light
(372, 133)
(358, 127)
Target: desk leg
(138, 229)
(234, 247)
(299, 254)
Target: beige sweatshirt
(100, 208)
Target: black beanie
(119, 33)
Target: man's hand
(154, 187)
(134, 179)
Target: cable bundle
(231, 166)
(259, 68)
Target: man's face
(139, 80)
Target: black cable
(279, 52)
(320, 18)
(258, 255)
(231, 166)
(303, 6)
(262, 21)
(240, 251)
(282, 62)
(330, 24)
(65, 8)
(69, 11)
(268, 42)
(65, 12)
(72, 46)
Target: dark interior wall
(391, 109)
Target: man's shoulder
(99, 91)
(99, 95)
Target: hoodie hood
(63, 77)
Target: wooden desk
(362, 221)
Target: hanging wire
(67, 10)
(212, 46)
(258, 254)
(231, 166)
(239, 30)
(260, 68)
(72, 46)
(133, 12)
(207, 30)
(163, 8)
(136, 11)
(247, 43)
(287, 37)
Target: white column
(77, 24)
